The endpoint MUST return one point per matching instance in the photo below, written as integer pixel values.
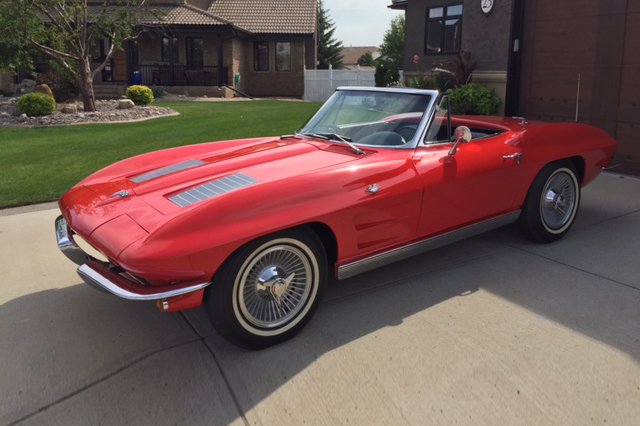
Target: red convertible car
(255, 228)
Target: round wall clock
(487, 6)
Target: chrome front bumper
(111, 278)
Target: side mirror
(462, 134)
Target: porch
(174, 59)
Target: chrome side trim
(66, 244)
(185, 165)
(212, 189)
(376, 261)
(101, 282)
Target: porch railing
(179, 75)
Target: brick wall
(272, 82)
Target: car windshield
(381, 118)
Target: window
(443, 30)
(261, 56)
(169, 49)
(195, 53)
(283, 56)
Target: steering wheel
(406, 131)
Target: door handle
(518, 156)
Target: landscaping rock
(125, 104)
(44, 88)
(70, 109)
(107, 111)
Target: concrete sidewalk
(492, 330)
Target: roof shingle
(268, 16)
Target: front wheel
(268, 290)
(552, 203)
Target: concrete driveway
(492, 330)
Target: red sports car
(255, 228)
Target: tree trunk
(86, 87)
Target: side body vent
(212, 189)
(190, 164)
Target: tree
(392, 47)
(366, 60)
(329, 49)
(67, 32)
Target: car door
(478, 182)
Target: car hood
(148, 188)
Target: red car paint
(424, 192)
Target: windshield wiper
(337, 138)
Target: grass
(40, 164)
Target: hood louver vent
(190, 164)
(212, 189)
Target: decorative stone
(125, 104)
(69, 109)
(22, 118)
(44, 88)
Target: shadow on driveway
(76, 353)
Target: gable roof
(163, 14)
(268, 16)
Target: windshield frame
(426, 118)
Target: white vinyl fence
(319, 85)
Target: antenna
(578, 98)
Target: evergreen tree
(366, 60)
(329, 49)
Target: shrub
(36, 104)
(140, 95)
(60, 81)
(387, 74)
(474, 99)
(158, 93)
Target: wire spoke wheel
(552, 202)
(275, 286)
(558, 200)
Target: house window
(443, 30)
(195, 53)
(283, 56)
(170, 50)
(261, 56)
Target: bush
(474, 99)
(62, 85)
(387, 74)
(158, 93)
(36, 104)
(140, 95)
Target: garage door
(586, 50)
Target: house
(260, 47)
(548, 60)
(351, 54)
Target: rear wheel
(268, 290)
(552, 203)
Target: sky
(360, 22)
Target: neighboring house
(200, 45)
(533, 51)
(350, 55)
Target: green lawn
(38, 165)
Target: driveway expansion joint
(100, 380)
(620, 283)
(227, 382)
